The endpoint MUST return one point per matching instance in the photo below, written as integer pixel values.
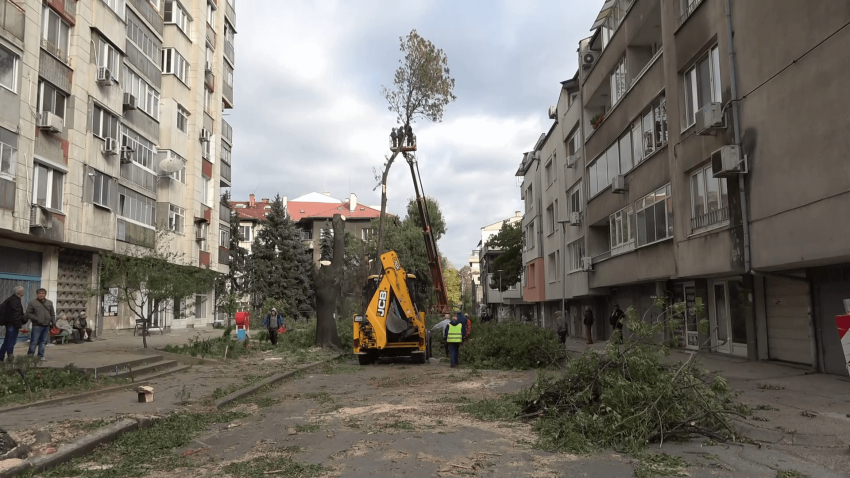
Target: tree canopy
(281, 266)
(509, 241)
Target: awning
(603, 14)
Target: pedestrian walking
(81, 328)
(464, 319)
(12, 319)
(616, 321)
(588, 324)
(272, 322)
(454, 333)
(40, 312)
(562, 328)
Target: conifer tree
(281, 267)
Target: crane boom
(434, 263)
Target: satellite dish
(170, 164)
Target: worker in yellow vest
(454, 333)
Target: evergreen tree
(230, 287)
(326, 242)
(281, 267)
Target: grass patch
(281, 465)
(149, 449)
(95, 424)
(320, 397)
(399, 425)
(391, 382)
(767, 386)
(790, 474)
(453, 399)
(23, 380)
(659, 464)
(308, 428)
(493, 409)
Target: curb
(186, 359)
(78, 447)
(242, 393)
(78, 396)
(766, 435)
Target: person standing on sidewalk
(272, 322)
(588, 324)
(12, 319)
(40, 312)
(454, 334)
(616, 321)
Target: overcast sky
(309, 114)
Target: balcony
(12, 19)
(230, 11)
(229, 51)
(223, 256)
(225, 174)
(209, 80)
(709, 220)
(226, 132)
(210, 36)
(224, 212)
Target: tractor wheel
(364, 359)
(418, 358)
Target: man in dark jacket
(12, 319)
(40, 312)
(454, 333)
(588, 324)
(617, 321)
(272, 322)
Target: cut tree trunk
(328, 281)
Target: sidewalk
(798, 407)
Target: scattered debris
(145, 394)
(808, 414)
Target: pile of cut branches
(630, 395)
(511, 345)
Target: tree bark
(328, 280)
(376, 265)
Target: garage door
(787, 304)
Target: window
(228, 40)
(574, 143)
(224, 236)
(654, 217)
(104, 124)
(182, 119)
(550, 217)
(709, 200)
(176, 218)
(155, 3)
(603, 170)
(9, 70)
(207, 100)
(109, 58)
(174, 13)
(51, 100)
(174, 64)
(654, 127)
(209, 56)
(139, 36)
(116, 5)
(529, 237)
(532, 280)
(208, 149)
(225, 154)
(574, 198)
(8, 152)
(145, 151)
(200, 306)
(211, 15)
(205, 191)
(550, 177)
(136, 207)
(552, 267)
(626, 163)
(147, 98)
(202, 231)
(702, 84)
(575, 250)
(367, 233)
(622, 232)
(619, 81)
(245, 233)
(102, 183)
(47, 186)
(54, 31)
(529, 198)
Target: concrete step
(124, 365)
(142, 371)
(179, 368)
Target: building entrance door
(726, 317)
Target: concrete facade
(99, 109)
(758, 255)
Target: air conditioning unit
(727, 162)
(127, 154)
(104, 76)
(40, 217)
(553, 112)
(535, 155)
(50, 122)
(205, 135)
(575, 218)
(110, 147)
(572, 160)
(208, 67)
(709, 118)
(618, 184)
(129, 101)
(586, 263)
(199, 233)
(588, 58)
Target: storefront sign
(110, 303)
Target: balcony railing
(225, 171)
(712, 218)
(306, 235)
(229, 51)
(688, 10)
(138, 175)
(224, 212)
(227, 132)
(12, 19)
(223, 256)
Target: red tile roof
(306, 210)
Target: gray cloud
(309, 115)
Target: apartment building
(704, 161)
(498, 304)
(475, 270)
(311, 213)
(111, 127)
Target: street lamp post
(500, 296)
(564, 272)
